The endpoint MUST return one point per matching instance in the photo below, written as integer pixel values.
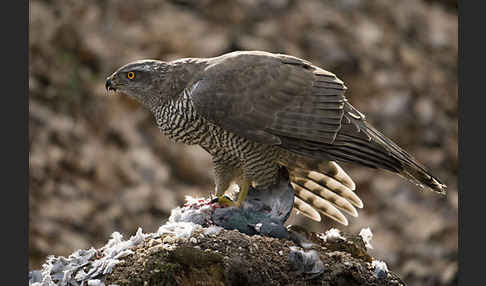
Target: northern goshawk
(254, 111)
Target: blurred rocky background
(98, 164)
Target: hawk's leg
(261, 175)
(259, 169)
(243, 193)
(222, 182)
(221, 198)
(224, 175)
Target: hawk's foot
(225, 201)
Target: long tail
(411, 168)
(359, 142)
(377, 151)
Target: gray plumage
(254, 111)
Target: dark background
(98, 164)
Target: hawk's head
(142, 80)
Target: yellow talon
(228, 202)
(224, 201)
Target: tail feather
(411, 168)
(307, 210)
(328, 192)
(325, 186)
(391, 156)
(335, 171)
(359, 142)
(323, 206)
(322, 195)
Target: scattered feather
(381, 270)
(306, 262)
(85, 266)
(333, 235)
(366, 234)
(212, 230)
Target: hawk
(255, 111)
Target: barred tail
(359, 142)
(377, 151)
(328, 191)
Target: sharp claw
(224, 201)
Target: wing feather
(276, 95)
(282, 100)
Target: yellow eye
(130, 75)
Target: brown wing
(286, 101)
(263, 96)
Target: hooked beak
(108, 85)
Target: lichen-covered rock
(184, 253)
(233, 258)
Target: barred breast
(178, 120)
